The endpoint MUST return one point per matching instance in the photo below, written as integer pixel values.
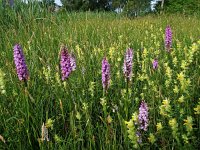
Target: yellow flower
(165, 109)
(185, 138)
(173, 123)
(159, 126)
(57, 138)
(135, 117)
(91, 88)
(129, 124)
(49, 123)
(188, 123)
(109, 119)
(176, 90)
(78, 116)
(168, 72)
(197, 109)
(2, 82)
(181, 99)
(183, 65)
(174, 126)
(181, 77)
(175, 61)
(151, 138)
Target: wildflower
(155, 64)
(176, 90)
(197, 109)
(151, 138)
(132, 133)
(20, 64)
(165, 108)
(168, 38)
(159, 126)
(57, 138)
(174, 126)
(105, 73)
(44, 133)
(188, 124)
(91, 88)
(143, 116)
(67, 63)
(2, 83)
(49, 123)
(185, 138)
(181, 99)
(47, 73)
(128, 63)
(78, 116)
(139, 137)
(109, 119)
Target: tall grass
(76, 113)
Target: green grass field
(77, 113)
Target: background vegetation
(76, 113)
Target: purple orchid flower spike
(168, 38)
(128, 64)
(143, 116)
(155, 64)
(20, 63)
(67, 63)
(105, 73)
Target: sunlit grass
(80, 115)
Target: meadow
(79, 113)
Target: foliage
(135, 7)
(181, 6)
(77, 113)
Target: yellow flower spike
(159, 126)
(197, 109)
(57, 77)
(118, 74)
(103, 101)
(91, 88)
(123, 92)
(78, 116)
(129, 124)
(168, 72)
(174, 126)
(182, 112)
(198, 42)
(176, 90)
(111, 53)
(165, 109)
(119, 59)
(180, 76)
(181, 99)
(57, 139)
(109, 119)
(185, 138)
(188, 124)
(85, 105)
(151, 138)
(175, 61)
(183, 65)
(2, 82)
(135, 117)
(194, 47)
(173, 123)
(145, 52)
(49, 123)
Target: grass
(76, 113)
